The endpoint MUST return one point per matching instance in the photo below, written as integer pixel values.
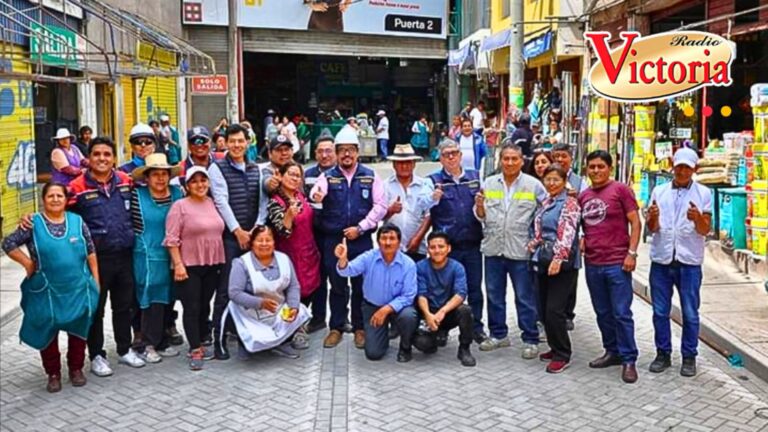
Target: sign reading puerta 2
(419, 18)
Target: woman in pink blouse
(193, 237)
(555, 248)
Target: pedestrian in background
(555, 252)
(478, 117)
(506, 206)
(61, 290)
(541, 161)
(292, 218)
(84, 136)
(455, 130)
(354, 202)
(453, 195)
(67, 161)
(193, 236)
(472, 146)
(236, 190)
(382, 133)
(420, 137)
(151, 262)
(611, 228)
(680, 217)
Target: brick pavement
(338, 390)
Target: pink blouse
(196, 228)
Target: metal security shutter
(129, 111)
(157, 96)
(18, 189)
(207, 110)
(322, 43)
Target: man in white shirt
(680, 216)
(478, 117)
(382, 133)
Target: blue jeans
(610, 288)
(472, 260)
(687, 279)
(383, 144)
(526, 299)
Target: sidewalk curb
(11, 314)
(718, 338)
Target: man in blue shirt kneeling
(442, 290)
(389, 287)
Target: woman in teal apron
(420, 138)
(60, 292)
(151, 261)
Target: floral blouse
(567, 226)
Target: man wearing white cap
(354, 202)
(170, 132)
(382, 132)
(680, 216)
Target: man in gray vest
(506, 207)
(236, 188)
(561, 153)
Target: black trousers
(460, 317)
(554, 294)
(231, 251)
(153, 326)
(416, 257)
(195, 294)
(116, 277)
(571, 314)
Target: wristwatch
(632, 253)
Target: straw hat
(155, 161)
(404, 152)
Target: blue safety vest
(346, 205)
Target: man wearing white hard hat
(143, 141)
(382, 133)
(354, 202)
(67, 160)
(680, 217)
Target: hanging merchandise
(757, 171)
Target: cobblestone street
(338, 390)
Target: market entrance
(320, 86)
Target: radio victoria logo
(655, 67)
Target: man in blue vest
(236, 188)
(326, 159)
(453, 197)
(561, 153)
(354, 202)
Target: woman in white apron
(264, 297)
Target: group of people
(275, 246)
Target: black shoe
(607, 360)
(220, 350)
(479, 337)
(404, 356)
(629, 373)
(466, 357)
(661, 363)
(442, 338)
(207, 340)
(569, 325)
(688, 368)
(394, 333)
(315, 325)
(174, 337)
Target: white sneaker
(542, 332)
(168, 352)
(132, 359)
(150, 355)
(492, 343)
(100, 367)
(530, 351)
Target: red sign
(210, 85)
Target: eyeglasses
(347, 150)
(144, 143)
(554, 180)
(450, 154)
(325, 152)
(199, 141)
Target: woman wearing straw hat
(151, 262)
(67, 160)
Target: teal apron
(151, 260)
(62, 294)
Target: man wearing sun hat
(680, 217)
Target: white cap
(194, 170)
(164, 118)
(381, 112)
(347, 135)
(686, 156)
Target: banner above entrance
(415, 18)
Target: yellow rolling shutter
(129, 111)
(157, 97)
(17, 147)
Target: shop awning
(497, 40)
(458, 56)
(538, 46)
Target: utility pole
(516, 64)
(233, 99)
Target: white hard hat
(347, 135)
(141, 130)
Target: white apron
(261, 330)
